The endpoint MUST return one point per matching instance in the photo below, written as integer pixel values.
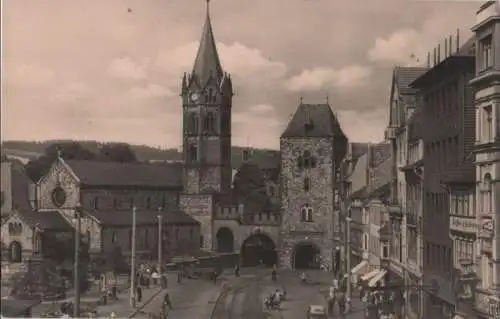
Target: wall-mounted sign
(463, 224)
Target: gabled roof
(379, 153)
(45, 220)
(404, 76)
(20, 189)
(313, 120)
(102, 174)
(207, 62)
(123, 218)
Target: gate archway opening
(225, 240)
(306, 256)
(258, 249)
(16, 252)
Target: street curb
(137, 310)
(224, 290)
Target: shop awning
(377, 278)
(370, 274)
(359, 267)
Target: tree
(249, 180)
(37, 168)
(117, 152)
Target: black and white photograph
(265, 159)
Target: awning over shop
(359, 267)
(373, 282)
(370, 274)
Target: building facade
(312, 148)
(487, 158)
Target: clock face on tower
(194, 97)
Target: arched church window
(210, 122)
(306, 213)
(193, 123)
(193, 153)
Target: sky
(90, 69)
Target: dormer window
(306, 213)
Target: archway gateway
(306, 256)
(258, 249)
(225, 240)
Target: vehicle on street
(316, 312)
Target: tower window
(193, 153)
(307, 160)
(306, 213)
(210, 122)
(306, 184)
(193, 123)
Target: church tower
(206, 95)
(206, 107)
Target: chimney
(434, 57)
(368, 164)
(458, 40)
(428, 59)
(446, 48)
(450, 45)
(439, 53)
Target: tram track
(243, 301)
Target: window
(191, 233)
(488, 124)
(306, 213)
(193, 123)
(193, 153)
(148, 202)
(385, 251)
(113, 237)
(487, 194)
(306, 184)
(486, 54)
(15, 229)
(146, 237)
(306, 160)
(201, 241)
(365, 241)
(115, 203)
(95, 203)
(177, 234)
(209, 122)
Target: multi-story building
(414, 175)
(487, 157)
(402, 105)
(445, 107)
(374, 216)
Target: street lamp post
(160, 248)
(132, 261)
(76, 270)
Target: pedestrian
(139, 294)
(179, 276)
(166, 301)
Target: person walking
(166, 301)
(139, 293)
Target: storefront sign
(463, 224)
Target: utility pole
(76, 270)
(348, 261)
(132, 261)
(160, 237)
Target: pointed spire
(207, 62)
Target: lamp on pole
(160, 237)
(76, 270)
(132, 260)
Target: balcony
(486, 304)
(415, 153)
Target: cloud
(126, 68)
(242, 62)
(407, 45)
(259, 124)
(73, 92)
(30, 75)
(321, 78)
(262, 109)
(150, 91)
(364, 126)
